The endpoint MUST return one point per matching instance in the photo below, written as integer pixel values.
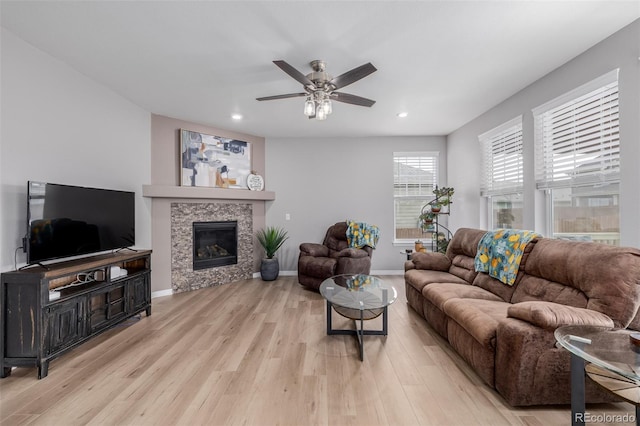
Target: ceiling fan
(320, 88)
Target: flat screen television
(65, 221)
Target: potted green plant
(443, 195)
(271, 239)
(426, 219)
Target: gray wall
(59, 126)
(323, 181)
(621, 50)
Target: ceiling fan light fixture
(320, 113)
(326, 106)
(309, 107)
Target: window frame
(508, 138)
(434, 157)
(547, 168)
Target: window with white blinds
(577, 136)
(415, 175)
(502, 159)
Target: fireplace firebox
(215, 244)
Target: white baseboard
(161, 293)
(283, 273)
(388, 272)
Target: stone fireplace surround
(183, 277)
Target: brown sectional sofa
(506, 332)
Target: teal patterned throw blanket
(500, 252)
(360, 234)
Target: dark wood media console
(36, 326)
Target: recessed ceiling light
(402, 114)
(236, 116)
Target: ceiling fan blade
(301, 78)
(352, 76)
(288, 95)
(348, 98)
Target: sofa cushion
(533, 288)
(336, 237)
(478, 317)
(317, 266)
(551, 315)
(492, 285)
(314, 249)
(418, 278)
(439, 293)
(607, 275)
(432, 261)
(350, 252)
(462, 266)
(465, 241)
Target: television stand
(41, 320)
(41, 265)
(126, 248)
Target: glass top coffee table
(358, 297)
(608, 356)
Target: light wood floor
(257, 353)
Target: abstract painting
(213, 161)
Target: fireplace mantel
(185, 192)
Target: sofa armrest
(430, 260)
(314, 249)
(352, 252)
(549, 315)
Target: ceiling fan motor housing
(319, 76)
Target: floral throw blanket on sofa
(360, 234)
(500, 252)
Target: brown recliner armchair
(318, 262)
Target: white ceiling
(444, 62)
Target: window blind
(415, 174)
(577, 136)
(502, 159)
